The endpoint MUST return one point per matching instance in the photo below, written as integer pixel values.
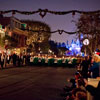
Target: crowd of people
(80, 87)
(30, 60)
(87, 67)
(13, 60)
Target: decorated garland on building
(43, 12)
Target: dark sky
(62, 22)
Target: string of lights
(43, 12)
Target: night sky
(62, 22)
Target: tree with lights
(36, 39)
(11, 42)
(89, 26)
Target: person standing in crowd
(2, 61)
(19, 60)
(28, 59)
(14, 57)
(8, 59)
(85, 65)
(95, 68)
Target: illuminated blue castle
(73, 49)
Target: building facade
(13, 27)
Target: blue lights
(74, 48)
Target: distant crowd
(14, 60)
(30, 60)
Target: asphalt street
(33, 83)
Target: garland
(59, 31)
(43, 12)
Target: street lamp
(86, 43)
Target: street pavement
(33, 83)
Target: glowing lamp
(86, 42)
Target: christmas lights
(43, 12)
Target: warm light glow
(2, 31)
(86, 42)
(10, 33)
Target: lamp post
(86, 43)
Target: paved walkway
(33, 83)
